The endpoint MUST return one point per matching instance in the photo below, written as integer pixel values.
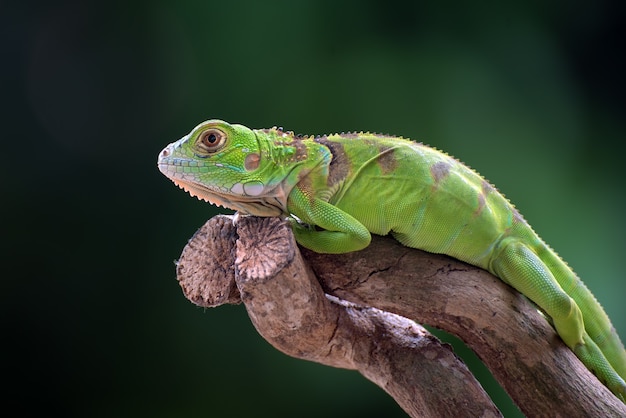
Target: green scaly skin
(338, 189)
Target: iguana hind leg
(520, 267)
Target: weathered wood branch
(364, 324)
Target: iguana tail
(531, 267)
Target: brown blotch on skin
(339, 167)
(482, 201)
(387, 160)
(486, 188)
(252, 161)
(301, 150)
(439, 171)
(517, 217)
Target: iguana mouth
(167, 165)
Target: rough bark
(364, 324)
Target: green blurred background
(530, 93)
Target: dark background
(530, 93)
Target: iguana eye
(211, 140)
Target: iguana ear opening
(252, 162)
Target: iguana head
(231, 166)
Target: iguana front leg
(340, 231)
(520, 267)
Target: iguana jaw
(253, 205)
(200, 191)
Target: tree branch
(364, 325)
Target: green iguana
(337, 189)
